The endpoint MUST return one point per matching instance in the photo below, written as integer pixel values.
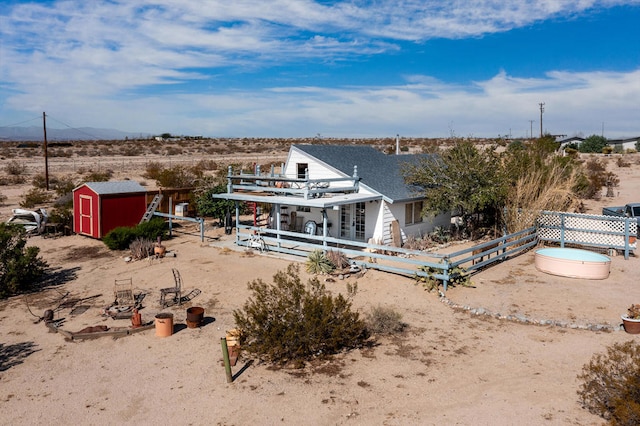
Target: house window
(413, 213)
(302, 169)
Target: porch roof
(321, 203)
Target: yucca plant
(318, 263)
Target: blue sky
(298, 68)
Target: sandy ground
(450, 367)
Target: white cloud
(85, 59)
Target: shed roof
(115, 187)
(380, 172)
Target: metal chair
(175, 290)
(123, 291)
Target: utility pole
(46, 156)
(531, 127)
(541, 111)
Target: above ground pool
(573, 263)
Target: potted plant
(631, 320)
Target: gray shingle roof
(380, 172)
(115, 187)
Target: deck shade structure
(99, 207)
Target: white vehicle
(34, 221)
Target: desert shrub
(621, 162)
(611, 384)
(337, 258)
(39, 181)
(3, 198)
(318, 263)
(176, 177)
(98, 176)
(15, 168)
(141, 248)
(457, 276)
(120, 238)
(64, 186)
(62, 215)
(20, 266)
(384, 321)
(153, 170)
(35, 197)
(293, 322)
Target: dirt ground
(452, 366)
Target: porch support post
(170, 212)
(229, 185)
(278, 219)
(324, 229)
(237, 222)
(356, 179)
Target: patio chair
(123, 292)
(176, 291)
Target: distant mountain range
(35, 133)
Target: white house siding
(393, 212)
(317, 170)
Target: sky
(343, 69)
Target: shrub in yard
(318, 263)
(35, 197)
(293, 322)
(120, 238)
(611, 384)
(384, 321)
(338, 259)
(20, 266)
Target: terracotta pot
(164, 325)
(136, 319)
(159, 251)
(631, 326)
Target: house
(310, 195)
(623, 145)
(99, 207)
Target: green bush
(293, 322)
(20, 266)
(611, 384)
(318, 263)
(35, 197)
(120, 238)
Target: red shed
(98, 207)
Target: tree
(206, 205)
(20, 266)
(593, 143)
(463, 179)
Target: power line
(22, 122)
(73, 128)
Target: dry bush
(35, 197)
(338, 259)
(540, 189)
(141, 248)
(611, 384)
(384, 321)
(15, 168)
(621, 162)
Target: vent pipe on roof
(397, 144)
